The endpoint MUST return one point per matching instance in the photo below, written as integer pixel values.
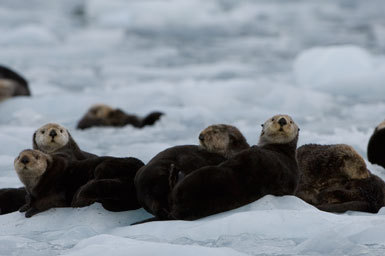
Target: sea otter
(12, 84)
(376, 145)
(269, 168)
(335, 178)
(53, 138)
(104, 115)
(11, 199)
(153, 182)
(52, 180)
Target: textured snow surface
(201, 62)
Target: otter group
(193, 181)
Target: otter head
(101, 111)
(30, 165)
(7, 88)
(279, 129)
(223, 139)
(51, 137)
(354, 165)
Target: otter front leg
(27, 204)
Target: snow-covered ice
(201, 62)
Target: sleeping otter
(152, 181)
(12, 84)
(335, 178)
(269, 168)
(52, 180)
(104, 115)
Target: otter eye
(37, 157)
(291, 122)
(262, 125)
(61, 131)
(42, 132)
(272, 119)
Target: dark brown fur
(59, 183)
(366, 195)
(324, 166)
(152, 180)
(11, 199)
(117, 118)
(376, 147)
(248, 176)
(22, 88)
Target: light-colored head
(30, 165)
(50, 137)
(354, 165)
(279, 129)
(7, 88)
(223, 139)
(99, 111)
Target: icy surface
(201, 62)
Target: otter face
(99, 111)
(30, 165)
(223, 139)
(279, 129)
(51, 137)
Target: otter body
(11, 199)
(12, 84)
(335, 178)
(269, 168)
(103, 115)
(61, 178)
(376, 146)
(155, 180)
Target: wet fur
(103, 115)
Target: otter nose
(282, 121)
(52, 133)
(201, 137)
(24, 160)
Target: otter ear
(34, 144)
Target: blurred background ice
(201, 62)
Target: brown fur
(62, 178)
(270, 168)
(12, 84)
(326, 166)
(154, 181)
(376, 146)
(104, 115)
(62, 142)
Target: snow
(200, 62)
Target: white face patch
(51, 137)
(279, 129)
(30, 165)
(215, 138)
